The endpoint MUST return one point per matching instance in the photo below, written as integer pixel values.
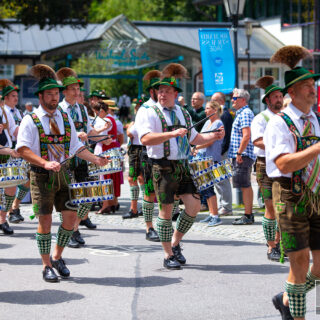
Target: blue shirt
(214, 150)
(243, 119)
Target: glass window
(7, 71)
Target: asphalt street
(119, 275)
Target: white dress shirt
(258, 127)
(100, 123)
(147, 121)
(279, 139)
(135, 140)
(11, 126)
(65, 107)
(28, 135)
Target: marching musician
(45, 139)
(167, 138)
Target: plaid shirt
(243, 119)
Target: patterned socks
(84, 208)
(297, 299)
(44, 242)
(184, 222)
(164, 228)
(8, 202)
(269, 228)
(21, 192)
(134, 193)
(63, 236)
(147, 209)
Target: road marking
(109, 253)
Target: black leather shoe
(171, 263)
(6, 228)
(152, 235)
(60, 266)
(130, 215)
(274, 255)
(13, 218)
(87, 222)
(49, 275)
(73, 243)
(77, 236)
(178, 255)
(175, 216)
(140, 213)
(284, 310)
(16, 212)
(243, 220)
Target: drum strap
(45, 140)
(302, 143)
(265, 116)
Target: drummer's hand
(181, 101)
(82, 136)
(102, 161)
(179, 132)
(53, 166)
(1, 128)
(14, 153)
(107, 141)
(218, 135)
(194, 151)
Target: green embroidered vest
(302, 143)
(45, 140)
(80, 125)
(166, 128)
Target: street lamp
(248, 27)
(234, 9)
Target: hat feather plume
(290, 55)
(42, 71)
(264, 82)
(5, 83)
(66, 72)
(175, 70)
(151, 75)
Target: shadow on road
(5, 246)
(233, 243)
(37, 261)
(39, 297)
(142, 282)
(241, 268)
(127, 248)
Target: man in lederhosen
(46, 138)
(292, 159)
(273, 98)
(10, 97)
(79, 115)
(167, 140)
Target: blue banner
(218, 66)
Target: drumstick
(214, 130)
(101, 135)
(202, 120)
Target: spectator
(241, 152)
(29, 108)
(224, 187)
(124, 104)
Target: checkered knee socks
(175, 206)
(147, 209)
(297, 299)
(134, 193)
(44, 242)
(311, 281)
(63, 236)
(269, 228)
(164, 228)
(84, 208)
(8, 202)
(184, 222)
(21, 192)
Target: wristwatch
(238, 154)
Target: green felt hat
(152, 83)
(6, 90)
(47, 84)
(297, 74)
(269, 90)
(171, 82)
(71, 80)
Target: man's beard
(51, 106)
(276, 107)
(155, 97)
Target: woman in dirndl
(213, 150)
(109, 205)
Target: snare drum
(197, 165)
(91, 191)
(111, 167)
(208, 177)
(12, 174)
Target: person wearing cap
(79, 115)
(10, 96)
(124, 104)
(111, 113)
(152, 77)
(292, 160)
(241, 153)
(273, 98)
(168, 142)
(47, 137)
(7, 129)
(28, 108)
(97, 95)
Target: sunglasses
(236, 98)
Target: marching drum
(13, 173)
(114, 166)
(200, 164)
(204, 179)
(91, 191)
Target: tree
(45, 12)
